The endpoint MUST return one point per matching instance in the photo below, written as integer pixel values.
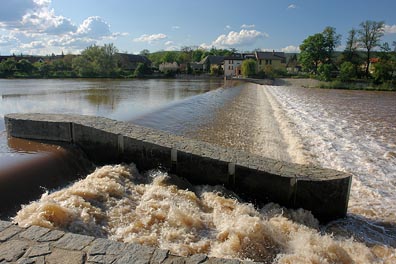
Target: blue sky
(52, 26)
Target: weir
(324, 192)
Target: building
(232, 65)
(130, 62)
(210, 61)
(168, 66)
(275, 60)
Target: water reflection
(117, 99)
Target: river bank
(313, 83)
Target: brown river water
(351, 131)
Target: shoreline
(313, 83)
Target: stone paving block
(101, 246)
(62, 256)
(34, 232)
(13, 249)
(222, 261)
(159, 256)
(4, 225)
(53, 235)
(9, 232)
(39, 250)
(135, 253)
(175, 260)
(105, 259)
(73, 241)
(196, 259)
(38, 260)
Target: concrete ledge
(324, 192)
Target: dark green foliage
(369, 36)
(249, 68)
(347, 71)
(142, 70)
(319, 49)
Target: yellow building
(275, 60)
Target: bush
(324, 71)
(347, 71)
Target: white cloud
(248, 26)
(292, 6)
(150, 38)
(94, 27)
(172, 48)
(169, 42)
(176, 27)
(228, 27)
(32, 27)
(390, 29)
(291, 49)
(237, 39)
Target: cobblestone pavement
(42, 245)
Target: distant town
(364, 60)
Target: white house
(232, 65)
(167, 66)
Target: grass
(358, 85)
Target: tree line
(100, 61)
(364, 56)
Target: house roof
(212, 59)
(134, 58)
(234, 57)
(268, 55)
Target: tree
(370, 33)
(331, 41)
(145, 52)
(384, 69)
(97, 61)
(319, 49)
(24, 66)
(350, 53)
(249, 68)
(197, 55)
(347, 71)
(141, 70)
(312, 53)
(8, 67)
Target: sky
(43, 27)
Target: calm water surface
(115, 99)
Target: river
(351, 131)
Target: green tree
(347, 71)
(249, 68)
(197, 55)
(24, 67)
(331, 41)
(142, 70)
(97, 61)
(319, 49)
(8, 67)
(386, 66)
(144, 52)
(312, 53)
(324, 71)
(370, 34)
(350, 53)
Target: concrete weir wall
(324, 192)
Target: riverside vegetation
(365, 63)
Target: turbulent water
(117, 202)
(349, 131)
